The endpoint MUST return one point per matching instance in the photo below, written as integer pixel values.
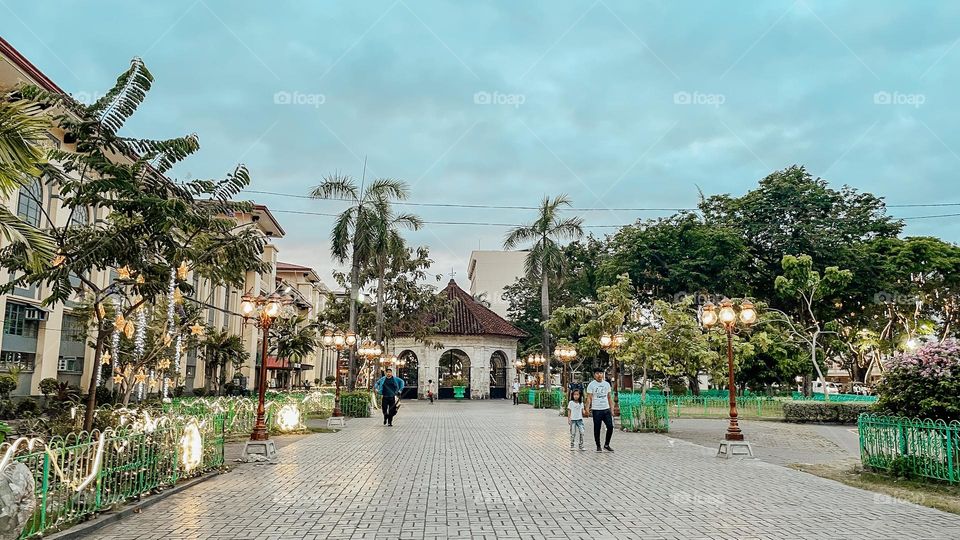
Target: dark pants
(515, 400)
(430, 395)
(389, 406)
(602, 416)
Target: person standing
(516, 391)
(598, 406)
(575, 417)
(389, 388)
(430, 391)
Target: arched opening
(454, 371)
(408, 369)
(498, 375)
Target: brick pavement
(492, 470)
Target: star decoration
(140, 377)
(140, 279)
(197, 329)
(118, 378)
(102, 311)
(105, 359)
(167, 340)
(58, 260)
(123, 272)
(182, 271)
(163, 364)
(153, 384)
(128, 329)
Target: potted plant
(459, 385)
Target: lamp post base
(257, 450)
(260, 433)
(729, 449)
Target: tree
(358, 230)
(23, 130)
(800, 282)
(389, 247)
(545, 258)
(220, 349)
(293, 339)
(153, 226)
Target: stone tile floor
(493, 470)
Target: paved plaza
(493, 470)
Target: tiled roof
(469, 317)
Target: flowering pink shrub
(924, 383)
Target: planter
(459, 391)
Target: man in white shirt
(598, 406)
(516, 390)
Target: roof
(6, 49)
(260, 210)
(471, 318)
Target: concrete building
(478, 346)
(310, 297)
(490, 272)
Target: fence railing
(644, 415)
(901, 446)
(818, 396)
(82, 474)
(719, 407)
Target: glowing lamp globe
(247, 306)
(327, 339)
(748, 314)
(709, 316)
(606, 340)
(727, 314)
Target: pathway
(493, 470)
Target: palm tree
(357, 229)
(545, 257)
(293, 340)
(23, 129)
(389, 246)
(220, 348)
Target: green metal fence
(644, 416)
(82, 474)
(923, 448)
(719, 407)
(818, 396)
(355, 404)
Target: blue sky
(618, 104)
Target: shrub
(199, 392)
(28, 408)
(824, 412)
(7, 409)
(458, 382)
(330, 379)
(49, 386)
(5, 431)
(8, 383)
(923, 384)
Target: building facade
(490, 272)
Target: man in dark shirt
(389, 388)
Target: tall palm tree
(23, 130)
(389, 246)
(357, 229)
(545, 258)
(221, 348)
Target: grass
(926, 493)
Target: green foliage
(355, 404)
(330, 379)
(49, 386)
(199, 392)
(824, 412)
(8, 383)
(28, 408)
(458, 381)
(221, 349)
(5, 431)
(924, 384)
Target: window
(28, 206)
(15, 359)
(191, 372)
(70, 363)
(15, 321)
(79, 217)
(73, 329)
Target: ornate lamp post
(611, 343)
(535, 360)
(339, 341)
(262, 310)
(729, 319)
(566, 354)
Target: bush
(7, 409)
(923, 384)
(824, 412)
(49, 386)
(330, 379)
(8, 383)
(28, 408)
(5, 431)
(199, 392)
(459, 381)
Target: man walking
(598, 406)
(389, 388)
(516, 391)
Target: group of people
(597, 405)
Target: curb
(83, 530)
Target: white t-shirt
(576, 410)
(516, 387)
(600, 392)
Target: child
(575, 417)
(430, 391)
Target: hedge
(824, 412)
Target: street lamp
(730, 321)
(261, 310)
(566, 354)
(611, 343)
(339, 341)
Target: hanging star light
(164, 364)
(123, 272)
(105, 359)
(182, 271)
(167, 340)
(58, 260)
(140, 279)
(117, 378)
(102, 311)
(139, 377)
(177, 296)
(128, 329)
(119, 322)
(196, 329)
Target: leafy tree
(389, 246)
(801, 283)
(545, 259)
(923, 384)
(153, 225)
(359, 230)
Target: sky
(622, 105)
